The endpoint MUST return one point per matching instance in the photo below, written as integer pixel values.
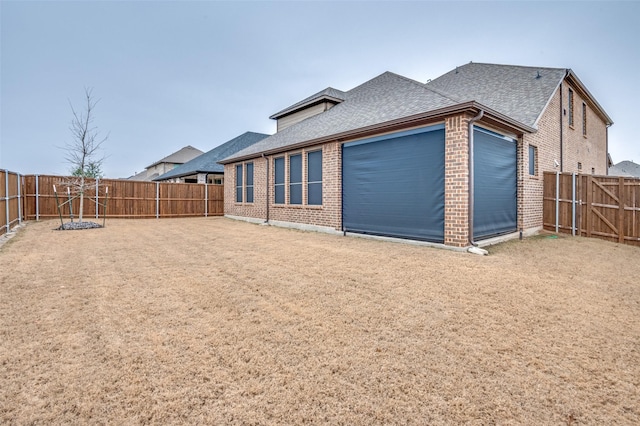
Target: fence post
(621, 210)
(37, 198)
(206, 200)
(573, 204)
(588, 205)
(157, 200)
(97, 180)
(19, 200)
(6, 198)
(557, 199)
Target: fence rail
(10, 201)
(126, 199)
(606, 207)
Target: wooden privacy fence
(10, 201)
(606, 207)
(127, 199)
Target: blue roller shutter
(495, 190)
(393, 185)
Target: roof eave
(416, 119)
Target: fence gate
(607, 207)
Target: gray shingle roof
(181, 156)
(514, 94)
(521, 93)
(625, 168)
(328, 93)
(208, 162)
(381, 99)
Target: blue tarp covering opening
(394, 185)
(495, 190)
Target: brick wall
(329, 214)
(456, 181)
(591, 151)
(547, 143)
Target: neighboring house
(205, 167)
(168, 163)
(391, 156)
(625, 168)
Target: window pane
(295, 193)
(295, 168)
(239, 183)
(314, 166)
(279, 170)
(249, 194)
(314, 194)
(570, 107)
(249, 174)
(279, 194)
(532, 160)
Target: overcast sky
(171, 74)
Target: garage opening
(496, 187)
(393, 185)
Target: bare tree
(83, 150)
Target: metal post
(6, 198)
(19, 201)
(573, 204)
(37, 198)
(206, 200)
(157, 200)
(557, 200)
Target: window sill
(296, 206)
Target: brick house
(391, 156)
(205, 168)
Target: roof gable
(208, 162)
(328, 94)
(181, 156)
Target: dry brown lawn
(214, 321)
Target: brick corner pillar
(456, 181)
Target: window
(584, 119)
(295, 179)
(239, 183)
(279, 180)
(314, 178)
(249, 185)
(532, 159)
(570, 107)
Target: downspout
(267, 189)
(561, 126)
(471, 179)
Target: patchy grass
(221, 322)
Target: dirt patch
(220, 322)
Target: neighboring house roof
(513, 95)
(208, 162)
(181, 156)
(625, 168)
(329, 94)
